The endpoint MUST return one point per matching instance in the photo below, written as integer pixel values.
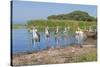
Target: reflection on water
(22, 41)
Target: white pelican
(36, 35)
(47, 34)
(90, 29)
(80, 35)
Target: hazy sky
(24, 10)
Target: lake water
(22, 41)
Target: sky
(26, 10)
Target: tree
(75, 15)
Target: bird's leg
(55, 43)
(81, 44)
(58, 42)
(46, 39)
(35, 44)
(31, 43)
(38, 46)
(47, 42)
(65, 41)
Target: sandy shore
(69, 54)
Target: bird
(65, 34)
(79, 35)
(90, 29)
(57, 36)
(35, 35)
(47, 34)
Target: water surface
(22, 41)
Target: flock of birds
(79, 35)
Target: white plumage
(80, 36)
(47, 35)
(36, 36)
(47, 32)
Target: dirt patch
(65, 55)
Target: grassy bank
(18, 26)
(88, 57)
(40, 24)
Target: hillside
(75, 15)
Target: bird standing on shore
(79, 36)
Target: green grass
(18, 26)
(40, 24)
(88, 57)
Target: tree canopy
(75, 15)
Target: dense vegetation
(75, 15)
(61, 23)
(72, 20)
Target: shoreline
(47, 49)
(89, 41)
(69, 54)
